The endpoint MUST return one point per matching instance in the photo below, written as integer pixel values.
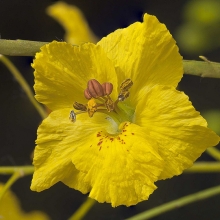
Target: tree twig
(30, 48)
(20, 79)
(204, 167)
(204, 194)
(20, 47)
(83, 209)
(25, 170)
(202, 68)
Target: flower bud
(95, 88)
(107, 88)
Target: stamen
(92, 107)
(79, 106)
(101, 93)
(123, 95)
(95, 88)
(101, 99)
(87, 94)
(126, 85)
(72, 116)
(107, 88)
(109, 104)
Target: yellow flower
(73, 21)
(134, 129)
(10, 209)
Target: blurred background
(195, 24)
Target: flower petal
(57, 140)
(180, 131)
(73, 21)
(121, 169)
(144, 52)
(62, 72)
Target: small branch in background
(20, 47)
(204, 194)
(204, 167)
(16, 172)
(30, 48)
(202, 68)
(83, 209)
(9, 183)
(25, 170)
(214, 152)
(20, 79)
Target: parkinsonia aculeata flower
(118, 124)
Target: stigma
(99, 99)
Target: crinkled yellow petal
(73, 21)
(62, 72)
(10, 209)
(146, 53)
(121, 169)
(178, 129)
(57, 140)
(77, 180)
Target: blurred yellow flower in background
(134, 129)
(73, 21)
(10, 209)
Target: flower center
(99, 100)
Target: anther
(107, 88)
(72, 116)
(126, 85)
(95, 88)
(91, 107)
(79, 106)
(123, 95)
(87, 94)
